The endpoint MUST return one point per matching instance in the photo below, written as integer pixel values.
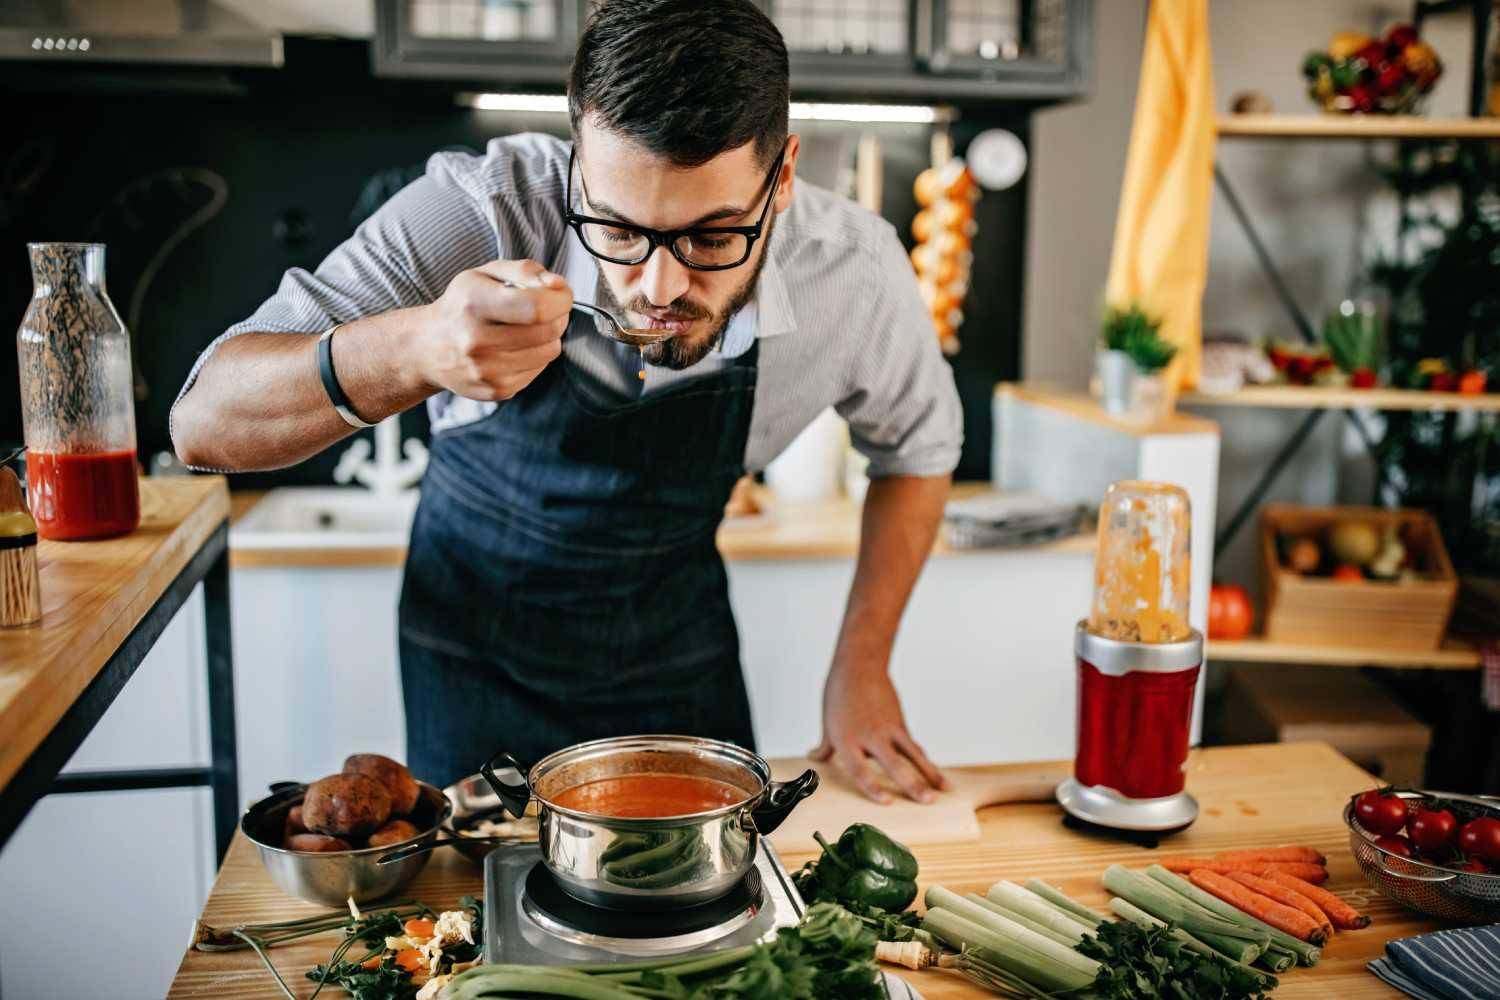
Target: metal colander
(1463, 897)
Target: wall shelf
(1320, 126)
(1311, 397)
(1454, 654)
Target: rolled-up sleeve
(901, 403)
(404, 255)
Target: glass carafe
(77, 404)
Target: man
(562, 582)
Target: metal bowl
(473, 800)
(1463, 897)
(332, 877)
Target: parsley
(1149, 964)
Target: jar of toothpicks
(20, 586)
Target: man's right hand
(485, 339)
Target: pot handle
(515, 795)
(781, 798)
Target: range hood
(156, 32)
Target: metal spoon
(432, 845)
(635, 336)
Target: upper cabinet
(917, 50)
(506, 41)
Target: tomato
(1229, 613)
(1480, 838)
(1471, 865)
(1362, 378)
(1396, 844)
(1432, 830)
(1383, 814)
(1472, 381)
(1443, 382)
(1348, 573)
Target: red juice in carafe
(84, 495)
(1133, 730)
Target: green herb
(1138, 334)
(1140, 963)
(388, 981)
(829, 954)
(1353, 337)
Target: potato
(395, 777)
(294, 824)
(393, 832)
(316, 843)
(346, 805)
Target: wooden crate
(1356, 715)
(1411, 614)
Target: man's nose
(665, 279)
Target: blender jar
(77, 404)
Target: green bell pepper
(868, 867)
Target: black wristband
(331, 382)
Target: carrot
(1302, 855)
(371, 963)
(1284, 894)
(1344, 916)
(1302, 870)
(419, 928)
(410, 959)
(1278, 915)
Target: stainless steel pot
(649, 864)
(331, 878)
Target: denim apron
(563, 582)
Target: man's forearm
(899, 524)
(258, 402)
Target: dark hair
(687, 79)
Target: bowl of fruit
(1361, 74)
(1432, 852)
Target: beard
(685, 351)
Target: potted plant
(1130, 362)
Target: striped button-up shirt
(837, 312)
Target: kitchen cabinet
(916, 50)
(506, 41)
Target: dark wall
(287, 162)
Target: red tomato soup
(86, 495)
(651, 796)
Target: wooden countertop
(787, 530)
(1081, 406)
(1255, 796)
(93, 595)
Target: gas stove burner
(545, 902)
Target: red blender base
(1135, 706)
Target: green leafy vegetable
(1141, 963)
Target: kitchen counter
(1255, 796)
(785, 530)
(103, 605)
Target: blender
(1138, 663)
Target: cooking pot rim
(754, 765)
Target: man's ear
(784, 184)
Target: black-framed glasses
(712, 248)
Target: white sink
(312, 517)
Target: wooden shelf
(1320, 126)
(1455, 654)
(1309, 397)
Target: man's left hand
(864, 733)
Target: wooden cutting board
(950, 819)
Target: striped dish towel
(1459, 964)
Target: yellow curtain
(1160, 256)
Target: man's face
(630, 184)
